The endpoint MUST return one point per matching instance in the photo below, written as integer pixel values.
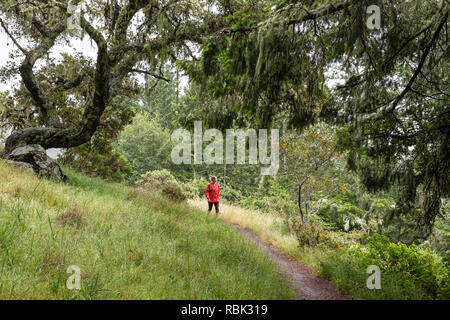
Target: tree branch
(404, 45)
(26, 71)
(25, 52)
(322, 12)
(421, 63)
(157, 76)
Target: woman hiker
(212, 193)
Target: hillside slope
(128, 245)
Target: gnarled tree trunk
(118, 55)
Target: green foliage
(174, 192)
(230, 194)
(219, 113)
(420, 267)
(350, 276)
(313, 234)
(271, 204)
(342, 214)
(440, 237)
(146, 145)
(12, 115)
(272, 196)
(163, 181)
(98, 159)
(355, 209)
(269, 67)
(307, 156)
(398, 135)
(197, 187)
(160, 98)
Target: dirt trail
(307, 285)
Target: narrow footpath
(302, 279)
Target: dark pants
(216, 205)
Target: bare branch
(25, 52)
(157, 76)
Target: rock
(22, 165)
(34, 157)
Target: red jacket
(212, 192)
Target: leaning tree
(130, 36)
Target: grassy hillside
(128, 244)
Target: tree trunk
(284, 151)
(300, 203)
(47, 138)
(306, 207)
(29, 145)
(224, 174)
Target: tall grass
(270, 228)
(129, 244)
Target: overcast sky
(77, 45)
(85, 46)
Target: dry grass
(135, 257)
(72, 217)
(17, 192)
(51, 261)
(269, 228)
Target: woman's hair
(212, 177)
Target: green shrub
(105, 162)
(348, 239)
(440, 238)
(156, 178)
(174, 192)
(164, 182)
(313, 233)
(422, 267)
(342, 215)
(255, 203)
(271, 204)
(197, 187)
(230, 194)
(349, 274)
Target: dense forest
(361, 102)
